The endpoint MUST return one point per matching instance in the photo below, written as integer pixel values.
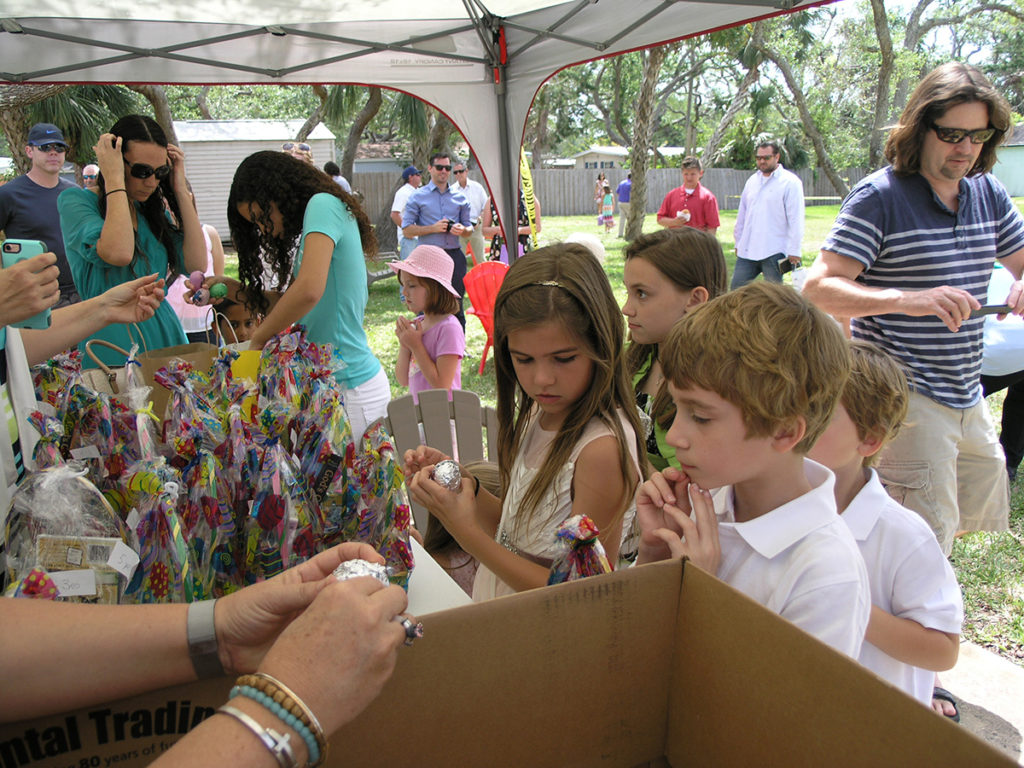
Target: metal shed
(214, 148)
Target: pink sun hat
(429, 261)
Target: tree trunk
(886, 65)
(810, 128)
(14, 123)
(739, 102)
(201, 104)
(638, 153)
(317, 115)
(157, 98)
(355, 132)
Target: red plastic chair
(482, 283)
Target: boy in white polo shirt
(755, 375)
(917, 610)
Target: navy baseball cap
(410, 171)
(45, 133)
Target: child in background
(667, 273)
(755, 375)
(917, 610)
(567, 425)
(608, 207)
(432, 343)
(235, 322)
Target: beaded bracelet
(284, 696)
(284, 716)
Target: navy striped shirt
(906, 238)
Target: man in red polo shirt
(690, 205)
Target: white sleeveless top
(538, 539)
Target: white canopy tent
(480, 62)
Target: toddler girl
(432, 343)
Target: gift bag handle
(142, 339)
(217, 315)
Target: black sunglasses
(303, 147)
(52, 147)
(460, 170)
(442, 167)
(143, 171)
(956, 135)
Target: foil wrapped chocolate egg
(447, 474)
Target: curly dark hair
(145, 129)
(277, 179)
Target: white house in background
(1009, 167)
(215, 148)
(599, 158)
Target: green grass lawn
(990, 567)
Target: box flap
(751, 687)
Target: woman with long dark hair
(289, 218)
(138, 220)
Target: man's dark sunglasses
(143, 171)
(956, 135)
(442, 167)
(303, 147)
(460, 170)
(54, 146)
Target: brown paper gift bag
(200, 354)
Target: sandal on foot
(943, 695)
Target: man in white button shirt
(477, 196)
(412, 178)
(770, 220)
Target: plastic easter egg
(201, 297)
(218, 290)
(196, 279)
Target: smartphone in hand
(19, 250)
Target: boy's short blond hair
(876, 395)
(768, 351)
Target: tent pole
(509, 171)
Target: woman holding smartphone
(139, 220)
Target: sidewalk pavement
(990, 690)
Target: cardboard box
(654, 666)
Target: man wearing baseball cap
(28, 204)
(412, 178)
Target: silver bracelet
(202, 640)
(276, 743)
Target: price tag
(75, 583)
(85, 452)
(124, 560)
(74, 556)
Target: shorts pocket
(906, 479)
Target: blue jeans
(746, 270)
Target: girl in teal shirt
(138, 220)
(666, 273)
(292, 219)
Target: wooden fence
(571, 192)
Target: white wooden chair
(476, 429)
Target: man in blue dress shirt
(438, 214)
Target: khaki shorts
(947, 465)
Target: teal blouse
(81, 224)
(337, 319)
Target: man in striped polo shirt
(908, 259)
